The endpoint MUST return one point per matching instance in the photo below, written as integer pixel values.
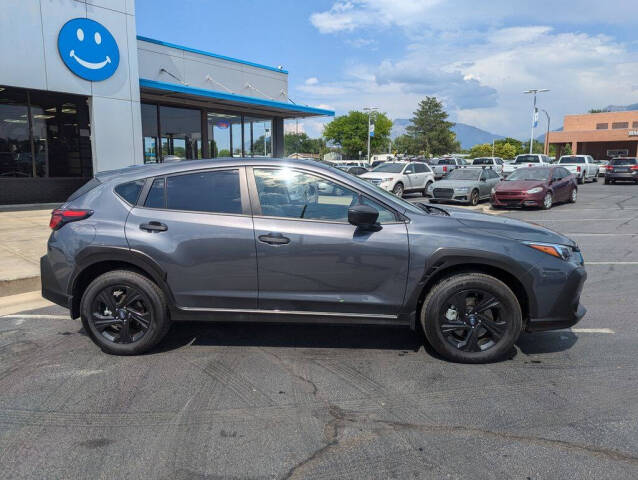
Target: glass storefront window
(260, 143)
(236, 137)
(150, 133)
(181, 135)
(219, 128)
(59, 144)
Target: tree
(405, 144)
(350, 133)
(431, 131)
(302, 143)
(503, 150)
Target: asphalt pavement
(294, 401)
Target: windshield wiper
(433, 210)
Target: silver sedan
(464, 185)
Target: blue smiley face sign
(88, 49)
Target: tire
(595, 179)
(398, 190)
(580, 180)
(425, 190)
(548, 201)
(606, 181)
(150, 309)
(474, 198)
(495, 330)
(573, 195)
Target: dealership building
(602, 135)
(81, 93)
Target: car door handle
(153, 227)
(274, 239)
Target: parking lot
(290, 401)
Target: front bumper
(517, 199)
(561, 309)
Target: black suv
(278, 240)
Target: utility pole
(370, 132)
(546, 146)
(534, 91)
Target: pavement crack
(290, 369)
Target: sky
(477, 57)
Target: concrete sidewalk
(24, 236)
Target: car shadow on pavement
(546, 342)
(290, 335)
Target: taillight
(61, 217)
(610, 167)
(578, 169)
(444, 168)
(634, 167)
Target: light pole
(546, 146)
(369, 110)
(534, 91)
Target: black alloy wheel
(121, 314)
(124, 312)
(471, 318)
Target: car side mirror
(363, 216)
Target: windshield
(572, 159)
(623, 161)
(526, 159)
(463, 174)
(482, 161)
(529, 174)
(390, 168)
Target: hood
(518, 185)
(508, 227)
(379, 175)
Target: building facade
(602, 135)
(81, 93)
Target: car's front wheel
(573, 196)
(124, 312)
(474, 198)
(471, 318)
(548, 201)
(398, 190)
(425, 190)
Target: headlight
(553, 249)
(535, 190)
(462, 189)
(385, 180)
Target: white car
(495, 163)
(401, 177)
(526, 160)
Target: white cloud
(312, 81)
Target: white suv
(526, 160)
(401, 177)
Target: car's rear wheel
(124, 313)
(548, 201)
(474, 198)
(398, 190)
(606, 181)
(580, 180)
(573, 196)
(471, 318)
(595, 179)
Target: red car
(535, 187)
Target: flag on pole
(372, 129)
(535, 117)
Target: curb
(19, 285)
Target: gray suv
(275, 240)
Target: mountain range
(469, 135)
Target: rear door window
(212, 192)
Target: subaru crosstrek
(258, 239)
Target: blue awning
(286, 110)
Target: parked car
(442, 166)
(622, 168)
(464, 185)
(375, 164)
(495, 163)
(536, 187)
(582, 166)
(526, 160)
(602, 167)
(401, 177)
(137, 249)
(346, 165)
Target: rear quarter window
(130, 191)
